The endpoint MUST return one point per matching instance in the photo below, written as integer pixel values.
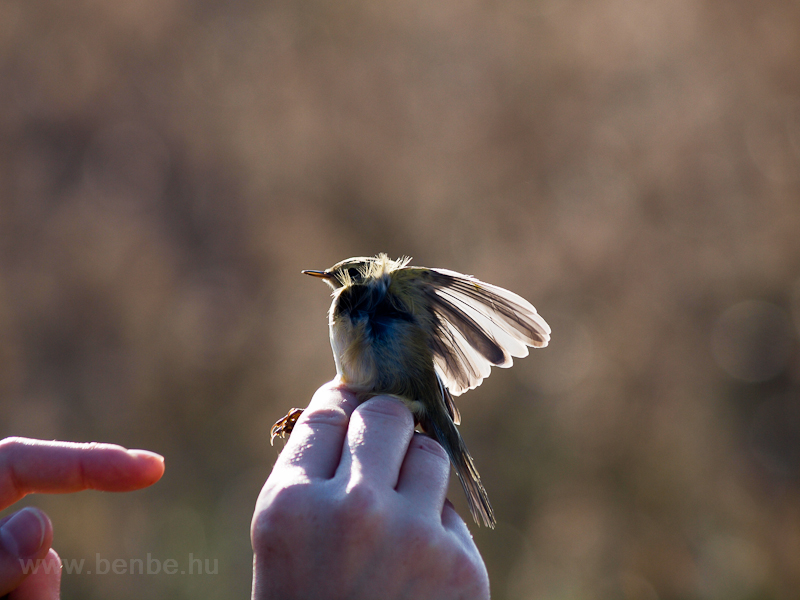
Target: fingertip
(28, 533)
(335, 384)
(425, 474)
(334, 394)
(116, 469)
(146, 455)
(379, 408)
(387, 405)
(44, 584)
(152, 465)
(420, 441)
(452, 520)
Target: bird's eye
(354, 274)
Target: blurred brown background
(167, 167)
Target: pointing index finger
(35, 466)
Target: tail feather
(445, 432)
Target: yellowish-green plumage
(425, 335)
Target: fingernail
(23, 534)
(146, 454)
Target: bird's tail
(445, 432)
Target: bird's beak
(320, 274)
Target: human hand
(355, 508)
(34, 466)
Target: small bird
(424, 335)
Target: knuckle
(362, 498)
(279, 506)
(11, 444)
(461, 566)
(362, 509)
(334, 392)
(417, 536)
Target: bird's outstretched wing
(478, 325)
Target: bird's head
(358, 270)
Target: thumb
(25, 539)
(44, 584)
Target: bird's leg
(284, 426)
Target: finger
(377, 440)
(315, 446)
(453, 522)
(25, 538)
(44, 584)
(35, 466)
(425, 474)
(455, 525)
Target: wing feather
(456, 360)
(479, 325)
(447, 398)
